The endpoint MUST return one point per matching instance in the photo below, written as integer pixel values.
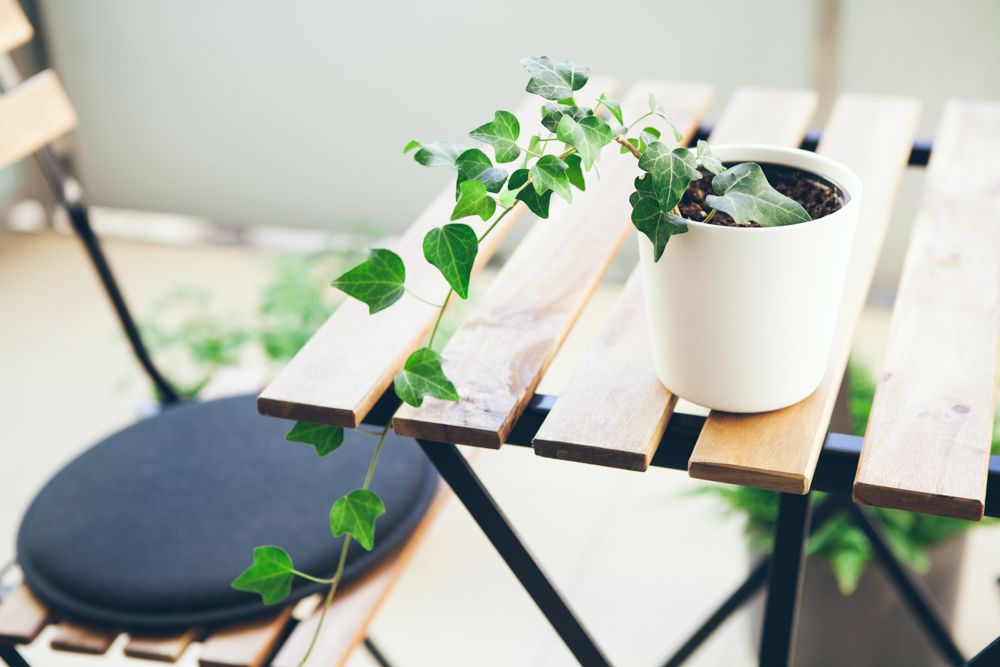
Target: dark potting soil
(816, 194)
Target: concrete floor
(640, 557)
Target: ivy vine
(487, 190)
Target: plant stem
(437, 322)
(637, 120)
(328, 600)
(420, 298)
(631, 149)
(318, 580)
(710, 215)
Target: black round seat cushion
(147, 529)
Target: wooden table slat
(353, 609)
(348, 364)
(615, 410)
(779, 450)
(163, 648)
(499, 354)
(14, 27)
(245, 644)
(32, 115)
(22, 617)
(79, 638)
(928, 441)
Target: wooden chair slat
(928, 441)
(348, 364)
(354, 608)
(14, 27)
(78, 638)
(164, 648)
(615, 410)
(245, 644)
(32, 115)
(499, 354)
(22, 617)
(779, 450)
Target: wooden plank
(164, 648)
(498, 356)
(246, 644)
(350, 362)
(22, 617)
(353, 610)
(928, 442)
(80, 638)
(33, 115)
(14, 27)
(779, 450)
(615, 410)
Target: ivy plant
(524, 170)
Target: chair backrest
(35, 112)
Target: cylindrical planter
(741, 319)
(872, 627)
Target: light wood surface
(163, 648)
(615, 410)
(32, 115)
(499, 354)
(14, 27)
(247, 644)
(779, 450)
(22, 616)
(777, 116)
(348, 364)
(928, 440)
(354, 608)
(70, 636)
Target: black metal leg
(10, 655)
(911, 587)
(376, 653)
(469, 488)
(787, 567)
(988, 657)
(750, 586)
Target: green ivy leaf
(378, 281)
(554, 80)
(671, 171)
(323, 437)
(536, 203)
(745, 194)
(549, 173)
(270, 576)
(436, 154)
(422, 376)
(501, 133)
(507, 198)
(474, 164)
(473, 200)
(413, 143)
(587, 136)
(452, 249)
(658, 226)
(707, 159)
(613, 105)
(355, 514)
(657, 110)
(648, 136)
(552, 113)
(575, 172)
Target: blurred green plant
(838, 542)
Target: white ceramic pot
(742, 319)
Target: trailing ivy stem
(437, 322)
(710, 215)
(328, 600)
(420, 298)
(631, 149)
(638, 120)
(318, 580)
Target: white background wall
(294, 113)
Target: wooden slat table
(928, 441)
